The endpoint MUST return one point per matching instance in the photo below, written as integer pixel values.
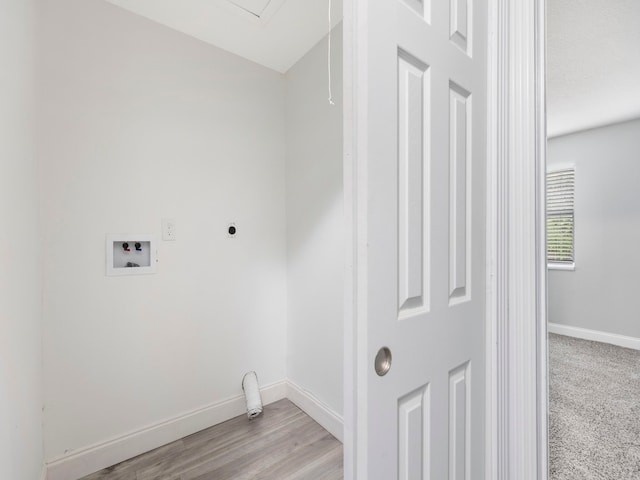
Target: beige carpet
(594, 410)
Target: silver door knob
(382, 362)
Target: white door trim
(516, 284)
(355, 109)
(516, 330)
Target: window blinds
(560, 216)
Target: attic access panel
(256, 10)
(255, 7)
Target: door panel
(414, 414)
(413, 231)
(459, 425)
(460, 106)
(425, 227)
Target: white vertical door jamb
(516, 235)
(541, 240)
(355, 109)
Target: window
(560, 218)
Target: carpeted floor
(594, 410)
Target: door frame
(517, 398)
(516, 228)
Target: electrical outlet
(168, 229)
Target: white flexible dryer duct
(252, 394)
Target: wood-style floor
(282, 444)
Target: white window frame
(567, 266)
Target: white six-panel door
(424, 141)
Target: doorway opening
(593, 218)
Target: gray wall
(602, 293)
(315, 225)
(20, 282)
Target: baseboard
(330, 421)
(43, 473)
(91, 459)
(595, 335)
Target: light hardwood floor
(282, 444)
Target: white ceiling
(273, 33)
(593, 63)
(593, 46)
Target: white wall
(140, 122)
(315, 228)
(580, 36)
(602, 293)
(20, 279)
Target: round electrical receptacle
(232, 230)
